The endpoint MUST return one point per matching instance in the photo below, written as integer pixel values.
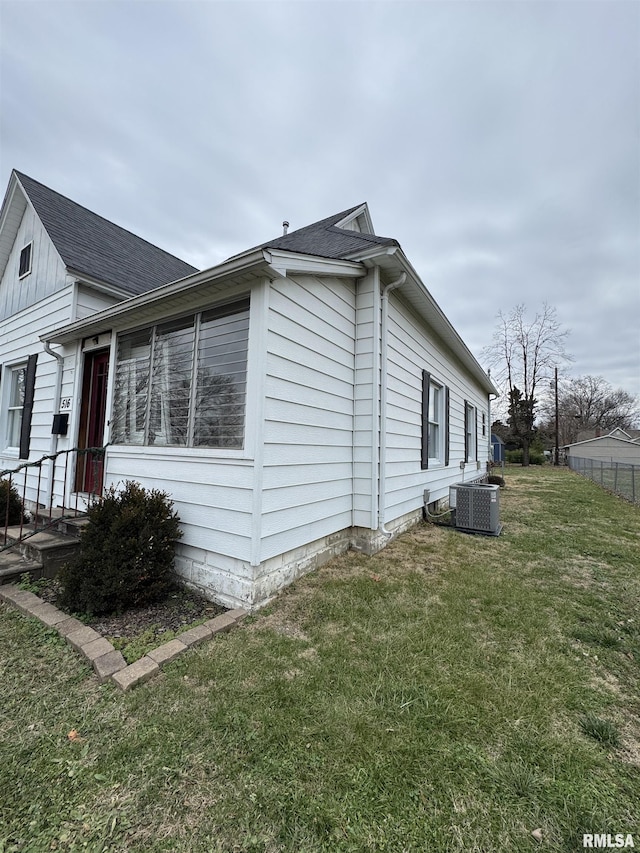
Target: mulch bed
(181, 608)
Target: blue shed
(497, 448)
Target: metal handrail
(96, 454)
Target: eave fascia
(116, 314)
(438, 320)
(284, 263)
(370, 256)
(7, 239)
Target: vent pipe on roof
(285, 226)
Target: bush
(126, 553)
(515, 457)
(16, 507)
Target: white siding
(412, 349)
(19, 339)
(212, 496)
(308, 428)
(89, 301)
(47, 274)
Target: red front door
(92, 421)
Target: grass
(137, 646)
(453, 693)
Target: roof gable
(604, 440)
(618, 432)
(341, 235)
(97, 248)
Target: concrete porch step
(47, 549)
(60, 520)
(13, 565)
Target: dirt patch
(630, 734)
(608, 683)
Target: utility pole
(557, 458)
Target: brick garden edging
(107, 661)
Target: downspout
(384, 333)
(53, 445)
(375, 401)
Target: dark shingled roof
(97, 248)
(323, 238)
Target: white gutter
(384, 334)
(53, 444)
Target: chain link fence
(619, 477)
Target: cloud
(497, 142)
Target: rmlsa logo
(602, 840)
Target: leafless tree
(591, 403)
(524, 353)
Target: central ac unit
(477, 507)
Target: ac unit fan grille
(478, 509)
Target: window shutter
(475, 436)
(466, 431)
(424, 455)
(29, 387)
(446, 425)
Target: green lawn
(453, 693)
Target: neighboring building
(497, 448)
(616, 432)
(606, 448)
(299, 399)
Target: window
(435, 422)
(25, 261)
(183, 383)
(17, 380)
(470, 432)
(20, 382)
(435, 416)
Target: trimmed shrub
(16, 507)
(515, 457)
(126, 553)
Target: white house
(304, 397)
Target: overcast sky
(497, 141)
